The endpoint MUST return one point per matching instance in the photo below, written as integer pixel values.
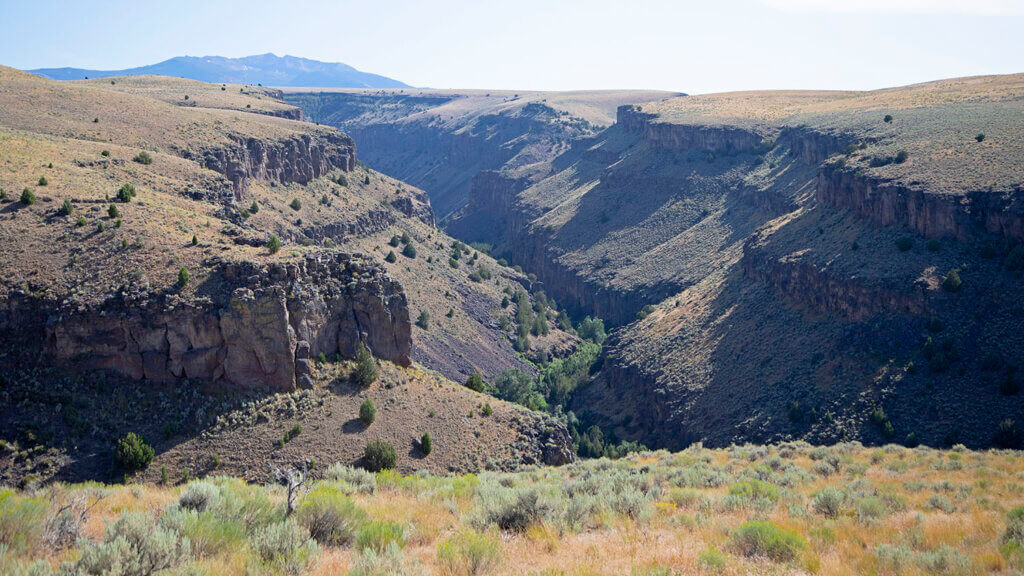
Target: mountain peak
(267, 69)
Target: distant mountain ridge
(267, 69)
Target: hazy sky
(690, 46)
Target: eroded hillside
(162, 233)
(441, 140)
(828, 265)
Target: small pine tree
(113, 212)
(902, 156)
(409, 251)
(487, 411)
(143, 158)
(366, 368)
(366, 180)
(67, 208)
(28, 198)
(296, 204)
(183, 277)
(367, 412)
(274, 244)
(132, 453)
(395, 241)
(195, 240)
(952, 281)
(126, 192)
(423, 321)
(426, 444)
(254, 207)
(80, 221)
(379, 455)
(3, 194)
(980, 137)
(390, 258)
(475, 382)
(888, 118)
(99, 227)
(43, 181)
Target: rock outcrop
(300, 159)
(682, 137)
(929, 214)
(255, 327)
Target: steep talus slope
(440, 140)
(840, 316)
(151, 246)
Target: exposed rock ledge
(300, 159)
(932, 215)
(682, 137)
(258, 327)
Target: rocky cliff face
(257, 327)
(683, 137)
(931, 215)
(300, 159)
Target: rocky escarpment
(299, 159)
(683, 137)
(813, 285)
(932, 215)
(249, 326)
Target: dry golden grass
(665, 538)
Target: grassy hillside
(785, 509)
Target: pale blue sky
(691, 46)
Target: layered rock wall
(300, 159)
(259, 333)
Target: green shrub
(395, 241)
(209, 532)
(1009, 386)
(80, 221)
(3, 194)
(409, 251)
(888, 118)
(475, 382)
(133, 545)
(66, 208)
(487, 410)
(952, 282)
(113, 212)
(195, 239)
(904, 243)
(829, 502)
(379, 455)
(901, 157)
(768, 540)
(284, 547)
(377, 535)
(980, 137)
(331, 517)
(126, 192)
(22, 519)
(183, 277)
(469, 553)
(711, 560)
(105, 153)
(254, 207)
(389, 562)
(143, 158)
(352, 480)
(391, 258)
(43, 181)
(366, 368)
(296, 204)
(99, 227)
(367, 412)
(132, 452)
(755, 489)
(1007, 434)
(426, 444)
(28, 197)
(423, 321)
(274, 244)
(870, 508)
